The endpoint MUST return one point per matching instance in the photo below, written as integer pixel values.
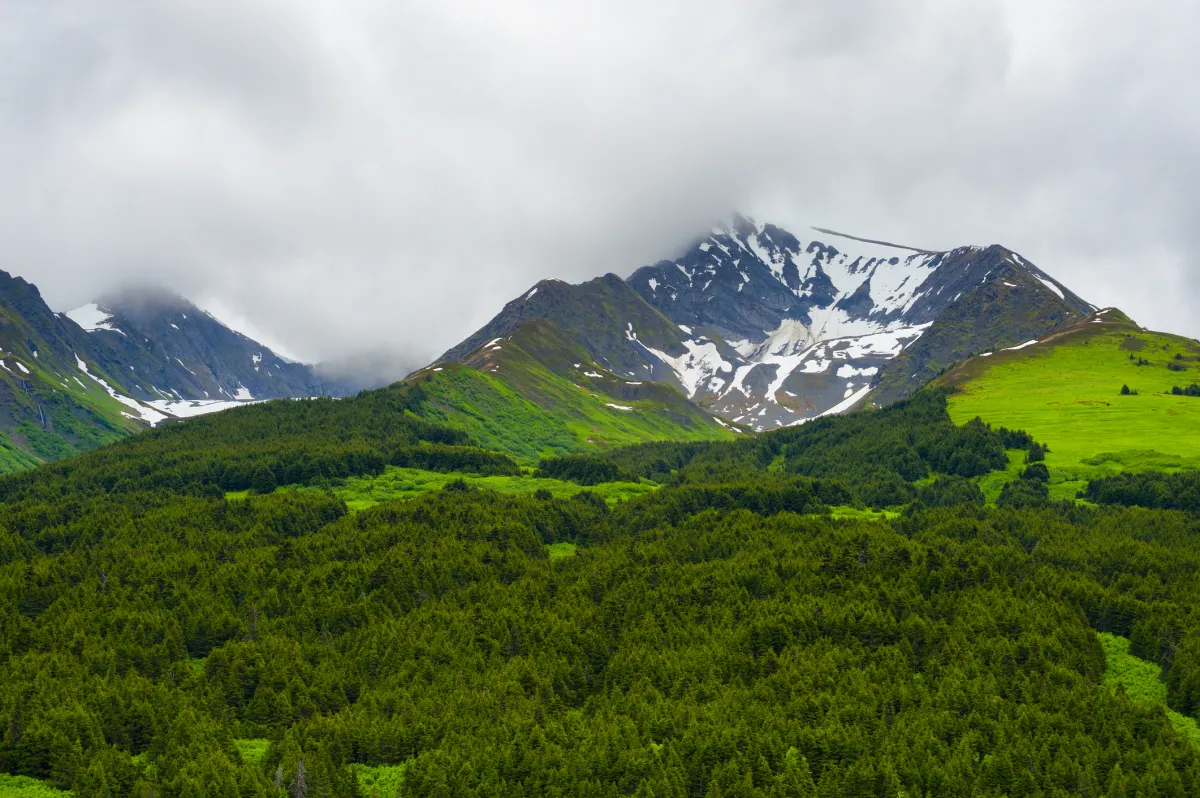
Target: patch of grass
(993, 482)
(1141, 682)
(561, 550)
(25, 787)
(237, 495)
(252, 751)
(1066, 393)
(845, 511)
(359, 493)
(379, 781)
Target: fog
(348, 179)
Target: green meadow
(359, 493)
(25, 787)
(1066, 392)
(1140, 681)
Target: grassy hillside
(1066, 392)
(537, 393)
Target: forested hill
(746, 628)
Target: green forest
(200, 611)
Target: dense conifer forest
(731, 633)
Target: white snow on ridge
(144, 413)
(1020, 346)
(91, 318)
(243, 395)
(1051, 286)
(192, 408)
(618, 407)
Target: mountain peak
(768, 328)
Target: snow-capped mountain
(72, 381)
(178, 357)
(767, 329)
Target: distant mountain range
(751, 328)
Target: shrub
(1024, 493)
(1037, 472)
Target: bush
(1037, 472)
(1021, 493)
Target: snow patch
(91, 318)
(618, 407)
(849, 371)
(1020, 346)
(840, 407)
(697, 367)
(192, 408)
(1051, 286)
(243, 395)
(145, 413)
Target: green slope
(1066, 392)
(537, 393)
(49, 408)
(1001, 312)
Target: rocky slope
(168, 350)
(767, 329)
(73, 381)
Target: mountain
(767, 330)
(70, 382)
(167, 349)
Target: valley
(768, 520)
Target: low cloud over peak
(354, 176)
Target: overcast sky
(342, 175)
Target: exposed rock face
(164, 347)
(768, 329)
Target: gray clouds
(350, 175)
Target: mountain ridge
(763, 329)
